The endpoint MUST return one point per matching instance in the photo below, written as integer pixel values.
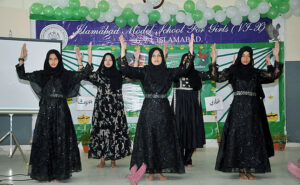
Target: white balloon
(180, 17)
(143, 20)
(109, 17)
(166, 7)
(263, 7)
(165, 17)
(101, 17)
(45, 2)
(116, 11)
(54, 2)
(288, 14)
(220, 16)
(202, 23)
(161, 22)
(294, 4)
(174, 9)
(231, 11)
(209, 13)
(90, 4)
(189, 20)
(138, 8)
(63, 3)
(254, 16)
(240, 3)
(148, 8)
(237, 20)
(244, 11)
(296, 12)
(88, 18)
(201, 4)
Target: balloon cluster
(143, 13)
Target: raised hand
(276, 51)
(79, 56)
(23, 51)
(123, 45)
(137, 53)
(233, 61)
(90, 53)
(213, 54)
(191, 44)
(268, 60)
(165, 50)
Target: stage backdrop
(229, 38)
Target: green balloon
(84, 11)
(189, 6)
(120, 21)
(74, 3)
(272, 13)
(133, 21)
(36, 8)
(217, 8)
(284, 7)
(253, 3)
(94, 13)
(153, 16)
(58, 13)
(264, 15)
(275, 2)
(67, 13)
(197, 15)
(76, 14)
(245, 18)
(48, 11)
(103, 6)
(211, 21)
(127, 13)
(285, 1)
(172, 21)
(227, 20)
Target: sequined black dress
(156, 142)
(54, 152)
(244, 145)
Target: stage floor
(202, 174)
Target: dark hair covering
(194, 78)
(70, 87)
(157, 72)
(48, 70)
(111, 73)
(242, 71)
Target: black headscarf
(242, 71)
(48, 71)
(157, 72)
(114, 76)
(194, 78)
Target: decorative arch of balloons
(169, 13)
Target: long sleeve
(270, 75)
(205, 75)
(181, 71)
(77, 76)
(32, 77)
(221, 76)
(131, 72)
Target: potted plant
(279, 141)
(282, 141)
(85, 140)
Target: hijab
(111, 73)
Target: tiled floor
(202, 174)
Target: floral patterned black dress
(109, 134)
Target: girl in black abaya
(244, 145)
(54, 152)
(156, 142)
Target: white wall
(14, 15)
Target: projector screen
(16, 94)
